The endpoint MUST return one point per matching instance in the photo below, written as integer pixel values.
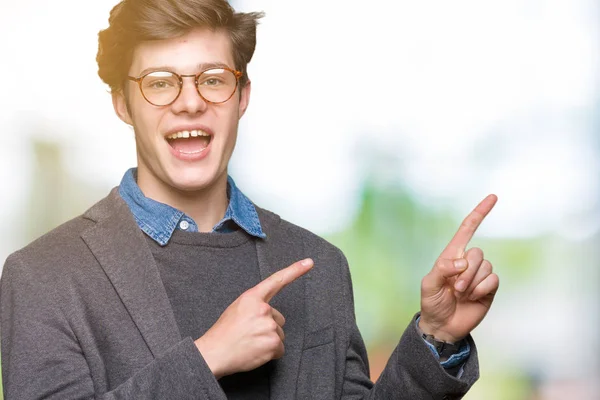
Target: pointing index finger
(280, 279)
(458, 244)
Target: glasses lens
(217, 85)
(160, 88)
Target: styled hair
(134, 21)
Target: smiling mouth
(189, 142)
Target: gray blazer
(84, 315)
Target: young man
(176, 286)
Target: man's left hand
(458, 292)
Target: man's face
(165, 165)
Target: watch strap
(444, 349)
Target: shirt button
(184, 225)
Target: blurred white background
(450, 100)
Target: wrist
(211, 357)
(437, 334)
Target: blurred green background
(378, 128)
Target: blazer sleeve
(41, 356)
(412, 372)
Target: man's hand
(249, 333)
(458, 292)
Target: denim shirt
(159, 220)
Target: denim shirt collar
(159, 220)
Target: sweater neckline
(210, 239)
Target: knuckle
(471, 221)
(263, 309)
(440, 264)
(278, 276)
(273, 341)
(271, 325)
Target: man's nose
(189, 100)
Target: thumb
(443, 270)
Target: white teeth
(187, 134)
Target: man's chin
(196, 183)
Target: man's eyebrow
(200, 67)
(205, 66)
(154, 69)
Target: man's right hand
(249, 333)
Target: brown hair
(134, 21)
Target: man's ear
(244, 98)
(121, 108)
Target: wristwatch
(444, 349)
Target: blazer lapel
(121, 249)
(274, 253)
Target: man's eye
(159, 84)
(211, 82)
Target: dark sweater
(203, 273)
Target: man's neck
(206, 207)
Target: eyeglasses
(214, 85)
